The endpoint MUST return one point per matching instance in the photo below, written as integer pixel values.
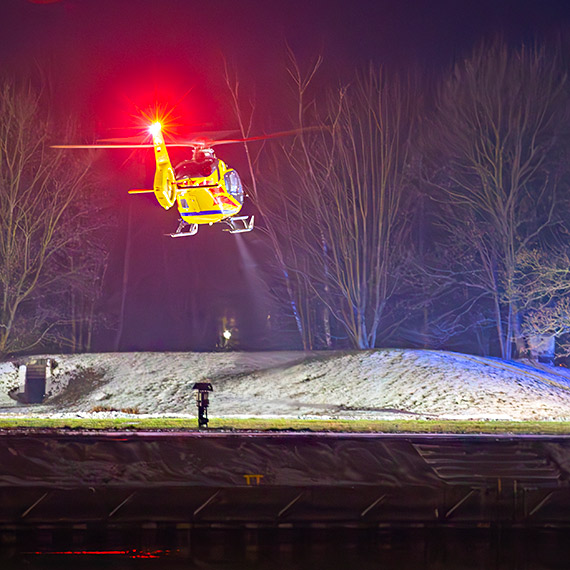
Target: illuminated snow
(380, 384)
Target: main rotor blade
(101, 146)
(149, 145)
(198, 140)
(264, 137)
(210, 136)
(204, 138)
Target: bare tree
(44, 228)
(277, 205)
(543, 287)
(448, 289)
(495, 138)
(341, 204)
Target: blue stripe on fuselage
(204, 213)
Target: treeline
(54, 242)
(410, 211)
(424, 216)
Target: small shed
(37, 372)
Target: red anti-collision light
(155, 129)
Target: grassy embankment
(256, 424)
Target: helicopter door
(188, 204)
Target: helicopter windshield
(194, 169)
(233, 185)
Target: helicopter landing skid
(239, 224)
(192, 230)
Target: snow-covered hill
(382, 384)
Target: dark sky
(110, 56)
(108, 59)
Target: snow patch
(374, 384)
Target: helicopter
(205, 189)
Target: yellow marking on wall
(251, 477)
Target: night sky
(106, 60)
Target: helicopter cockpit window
(233, 185)
(194, 169)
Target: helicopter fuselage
(209, 199)
(205, 189)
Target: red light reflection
(133, 553)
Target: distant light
(227, 334)
(155, 129)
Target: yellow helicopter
(205, 189)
